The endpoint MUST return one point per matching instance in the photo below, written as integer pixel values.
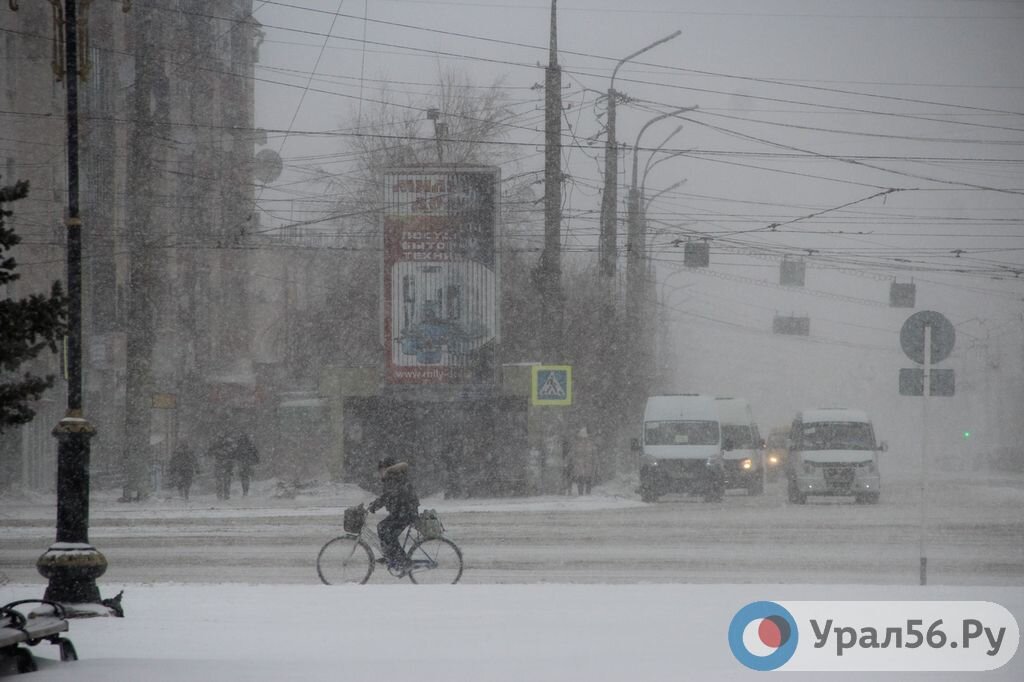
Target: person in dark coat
(247, 457)
(182, 467)
(584, 461)
(403, 506)
(223, 450)
(567, 477)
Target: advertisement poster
(440, 275)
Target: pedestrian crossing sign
(551, 385)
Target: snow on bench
(17, 629)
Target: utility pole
(440, 132)
(609, 197)
(72, 564)
(550, 266)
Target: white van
(741, 444)
(833, 451)
(681, 449)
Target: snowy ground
(270, 633)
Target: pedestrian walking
(182, 467)
(567, 477)
(451, 464)
(583, 458)
(247, 458)
(222, 450)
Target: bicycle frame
(409, 537)
(425, 553)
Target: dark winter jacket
(245, 452)
(398, 497)
(183, 463)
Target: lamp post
(72, 564)
(651, 163)
(644, 203)
(661, 346)
(610, 355)
(609, 198)
(634, 250)
(634, 267)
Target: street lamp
(650, 159)
(647, 202)
(609, 198)
(72, 564)
(635, 241)
(611, 356)
(634, 251)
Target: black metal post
(71, 564)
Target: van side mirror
(634, 445)
(883, 446)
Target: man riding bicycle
(399, 498)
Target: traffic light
(967, 434)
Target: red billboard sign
(440, 277)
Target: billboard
(439, 302)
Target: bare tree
(476, 122)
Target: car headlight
(747, 464)
(773, 459)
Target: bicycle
(350, 558)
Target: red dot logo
(763, 635)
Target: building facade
(167, 141)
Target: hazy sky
(881, 137)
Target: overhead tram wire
(847, 160)
(298, 107)
(343, 95)
(766, 81)
(679, 69)
(908, 138)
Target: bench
(17, 629)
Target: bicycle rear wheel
(345, 559)
(435, 561)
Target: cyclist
(399, 498)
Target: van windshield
(681, 433)
(837, 436)
(739, 435)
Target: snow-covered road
(975, 536)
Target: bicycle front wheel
(345, 559)
(435, 561)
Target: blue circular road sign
(912, 336)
